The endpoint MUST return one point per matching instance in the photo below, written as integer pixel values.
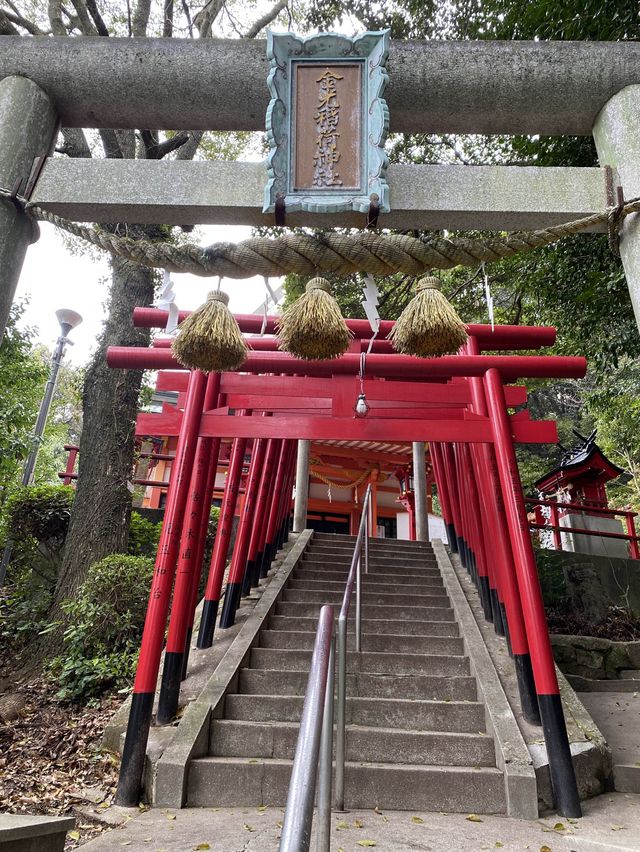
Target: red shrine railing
(553, 525)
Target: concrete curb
(192, 736)
(512, 755)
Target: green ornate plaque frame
(327, 120)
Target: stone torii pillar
(420, 491)
(302, 486)
(28, 125)
(617, 136)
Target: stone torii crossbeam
(436, 87)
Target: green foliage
(212, 529)
(103, 627)
(22, 377)
(37, 523)
(144, 536)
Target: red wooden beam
(501, 337)
(348, 428)
(387, 393)
(511, 367)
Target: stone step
(423, 570)
(432, 588)
(399, 713)
(392, 551)
(392, 558)
(404, 613)
(388, 643)
(338, 539)
(234, 738)
(239, 782)
(368, 597)
(376, 626)
(368, 661)
(450, 688)
(426, 578)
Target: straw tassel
(429, 325)
(209, 339)
(313, 327)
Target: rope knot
(318, 284)
(429, 282)
(218, 296)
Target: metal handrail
(298, 816)
(315, 738)
(354, 576)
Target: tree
(99, 522)
(23, 374)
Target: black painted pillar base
(497, 613)
(207, 624)
(285, 537)
(185, 656)
(170, 687)
(561, 770)
(246, 578)
(230, 605)
(473, 567)
(135, 750)
(462, 550)
(452, 538)
(267, 559)
(485, 597)
(527, 688)
(255, 574)
(507, 634)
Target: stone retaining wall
(593, 658)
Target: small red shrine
(574, 497)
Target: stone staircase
(416, 735)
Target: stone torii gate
(436, 87)
(551, 88)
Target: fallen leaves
(418, 820)
(474, 818)
(52, 761)
(366, 843)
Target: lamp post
(68, 320)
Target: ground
(51, 761)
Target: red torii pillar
(194, 533)
(221, 545)
(563, 780)
(135, 744)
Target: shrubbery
(104, 626)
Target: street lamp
(68, 320)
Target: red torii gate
(456, 403)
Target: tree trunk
(99, 523)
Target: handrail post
(366, 534)
(325, 767)
(359, 605)
(341, 720)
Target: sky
(52, 277)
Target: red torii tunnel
(459, 404)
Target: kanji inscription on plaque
(327, 122)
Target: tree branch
(265, 20)
(167, 25)
(86, 24)
(55, 18)
(205, 18)
(20, 21)
(101, 27)
(141, 18)
(110, 144)
(75, 143)
(188, 150)
(6, 27)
